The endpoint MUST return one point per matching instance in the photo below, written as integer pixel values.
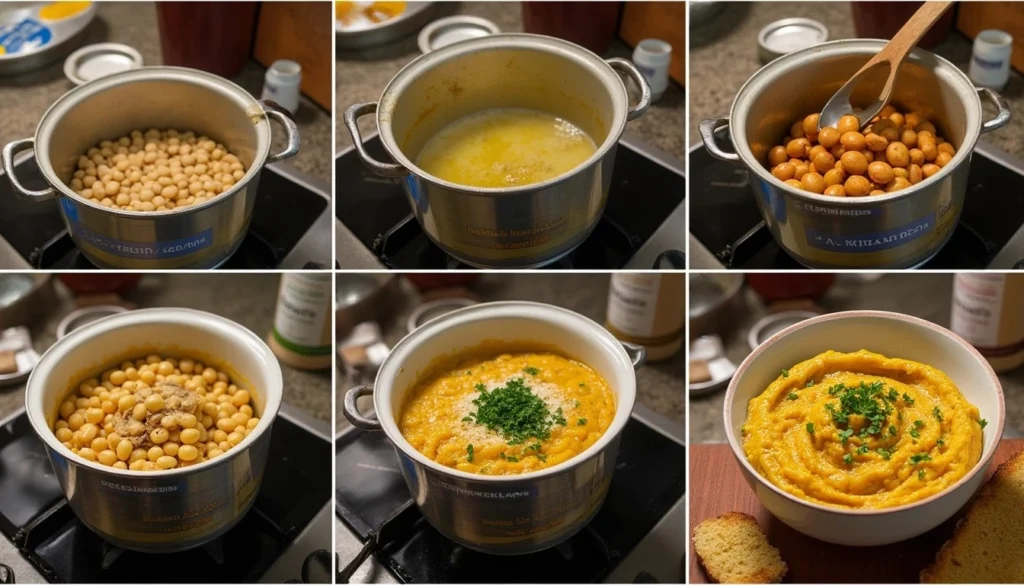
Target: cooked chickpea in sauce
(893, 152)
(155, 413)
(159, 170)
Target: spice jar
(648, 308)
(301, 336)
(987, 312)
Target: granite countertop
(723, 55)
(660, 385)
(26, 97)
(361, 77)
(928, 296)
(248, 299)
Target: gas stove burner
(373, 501)
(290, 225)
(990, 233)
(647, 188)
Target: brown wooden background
(717, 487)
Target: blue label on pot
(870, 242)
(144, 250)
(23, 35)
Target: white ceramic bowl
(892, 335)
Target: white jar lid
(99, 60)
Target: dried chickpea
(784, 171)
(929, 170)
(947, 148)
(857, 186)
(794, 183)
(812, 182)
(835, 190)
(875, 143)
(876, 192)
(155, 413)
(881, 173)
(776, 156)
(916, 156)
(915, 174)
(854, 163)
(897, 184)
(853, 141)
(943, 158)
(828, 137)
(897, 154)
(848, 124)
(835, 176)
(798, 147)
(822, 163)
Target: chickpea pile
(893, 152)
(155, 413)
(156, 171)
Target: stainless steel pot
(512, 514)
(899, 230)
(521, 227)
(158, 511)
(203, 236)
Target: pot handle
(351, 116)
(707, 133)
(276, 112)
(352, 409)
(1002, 117)
(627, 68)
(7, 163)
(637, 353)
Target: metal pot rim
(393, 92)
(44, 130)
(625, 397)
(210, 323)
(869, 47)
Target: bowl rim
(983, 462)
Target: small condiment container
(648, 308)
(281, 84)
(301, 336)
(788, 35)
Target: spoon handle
(904, 41)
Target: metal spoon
(893, 54)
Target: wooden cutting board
(717, 487)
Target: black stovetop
(726, 218)
(643, 194)
(284, 212)
(36, 518)
(371, 494)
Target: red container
(211, 36)
(589, 24)
(882, 20)
(788, 287)
(91, 284)
(432, 280)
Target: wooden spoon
(894, 53)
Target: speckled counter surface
(362, 77)
(928, 296)
(723, 55)
(659, 385)
(247, 299)
(25, 98)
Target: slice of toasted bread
(733, 549)
(988, 544)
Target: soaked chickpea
(145, 416)
(894, 151)
(159, 170)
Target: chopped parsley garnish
(914, 431)
(844, 435)
(893, 395)
(515, 412)
(581, 422)
(848, 459)
(480, 387)
(937, 414)
(558, 418)
(535, 447)
(915, 434)
(810, 384)
(907, 399)
(941, 442)
(982, 422)
(542, 457)
(469, 452)
(502, 454)
(469, 372)
(576, 404)
(919, 457)
(785, 373)
(582, 385)
(467, 419)
(531, 370)
(810, 428)
(920, 474)
(885, 453)
(862, 450)
(512, 459)
(892, 430)
(792, 396)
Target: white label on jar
(302, 309)
(977, 307)
(633, 303)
